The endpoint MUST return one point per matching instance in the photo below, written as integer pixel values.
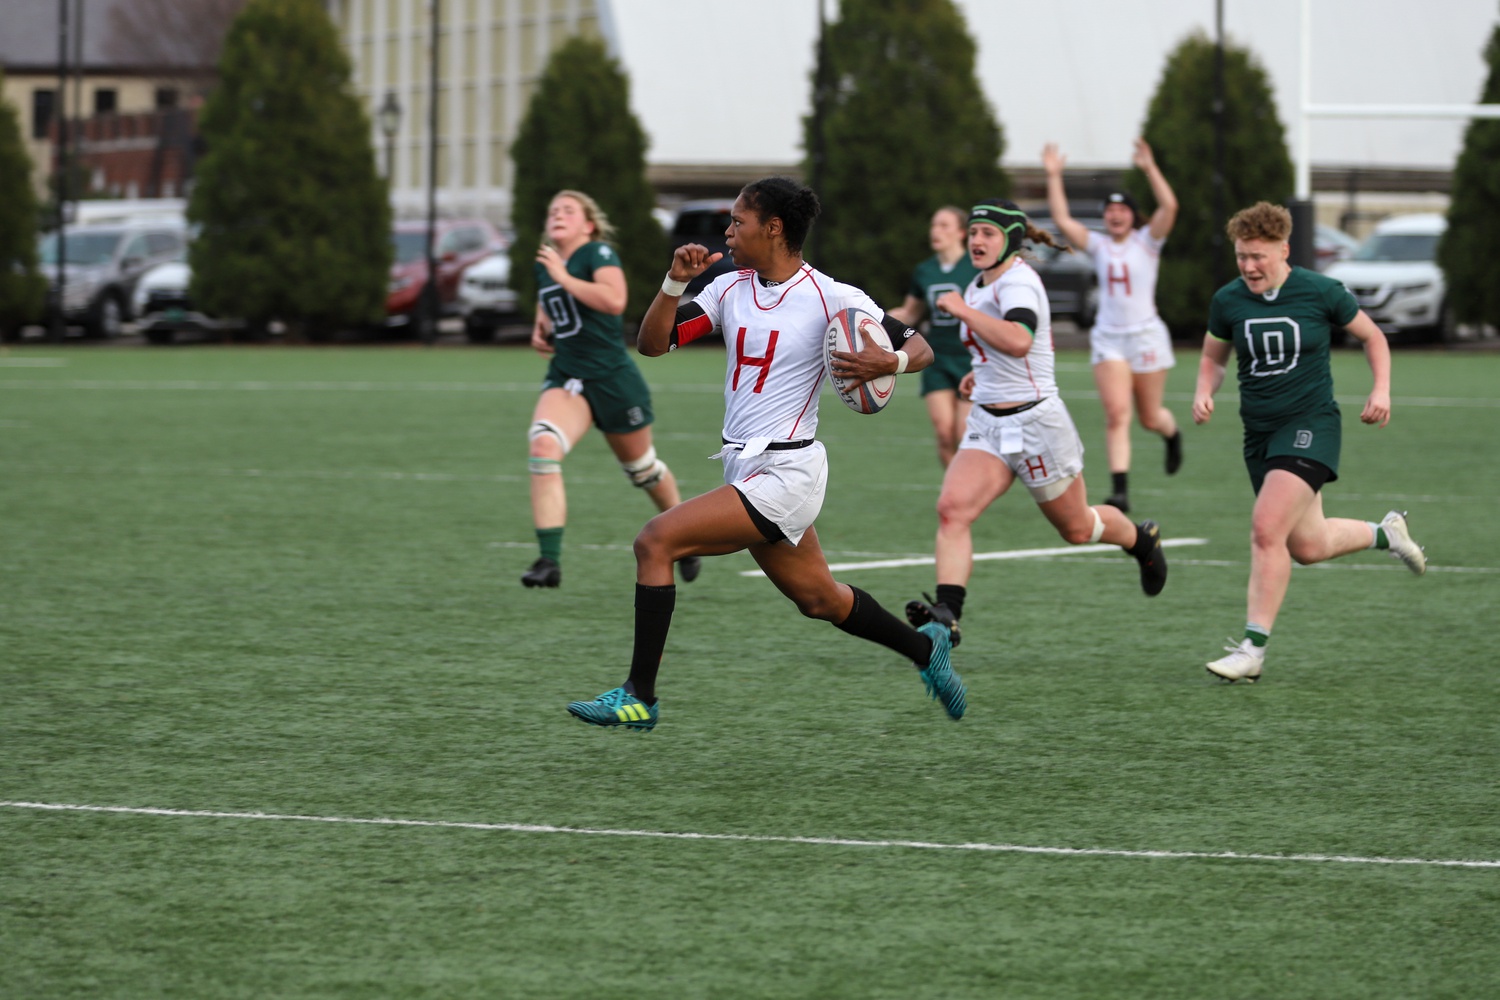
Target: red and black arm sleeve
(691, 323)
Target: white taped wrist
(901, 362)
(670, 286)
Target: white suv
(486, 298)
(1395, 276)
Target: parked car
(458, 244)
(164, 313)
(486, 298)
(1395, 277)
(1070, 279)
(1331, 245)
(102, 267)
(704, 222)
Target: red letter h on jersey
(1123, 278)
(741, 359)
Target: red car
(459, 243)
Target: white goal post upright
(1309, 110)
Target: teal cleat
(942, 683)
(616, 708)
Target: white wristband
(901, 362)
(670, 286)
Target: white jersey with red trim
(773, 337)
(1127, 279)
(999, 377)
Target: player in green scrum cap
(1019, 428)
(1278, 320)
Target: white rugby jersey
(1127, 279)
(773, 339)
(999, 377)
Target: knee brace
(1098, 526)
(645, 471)
(539, 466)
(544, 466)
(544, 427)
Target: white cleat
(1242, 664)
(1401, 545)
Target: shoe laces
(613, 698)
(1240, 647)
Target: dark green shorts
(1314, 436)
(945, 372)
(620, 402)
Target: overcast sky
(1090, 68)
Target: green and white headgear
(1006, 217)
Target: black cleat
(919, 613)
(1174, 453)
(543, 573)
(1153, 561)
(689, 567)
(1119, 501)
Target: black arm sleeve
(1025, 317)
(898, 331)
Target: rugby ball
(847, 332)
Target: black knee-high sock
(952, 595)
(653, 617)
(869, 620)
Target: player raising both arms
(1129, 345)
(1019, 427)
(947, 270)
(1279, 320)
(773, 313)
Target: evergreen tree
(1180, 128)
(906, 129)
(295, 220)
(580, 134)
(22, 288)
(1469, 252)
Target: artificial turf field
(238, 584)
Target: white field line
(758, 839)
(32, 362)
(260, 385)
(1071, 550)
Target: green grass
(285, 581)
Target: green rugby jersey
(589, 343)
(929, 281)
(1282, 340)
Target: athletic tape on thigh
(647, 470)
(1098, 527)
(542, 427)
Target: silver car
(102, 267)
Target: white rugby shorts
(787, 487)
(1146, 350)
(1040, 445)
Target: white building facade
(490, 55)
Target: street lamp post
(389, 116)
(431, 304)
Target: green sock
(1381, 542)
(1257, 635)
(550, 540)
